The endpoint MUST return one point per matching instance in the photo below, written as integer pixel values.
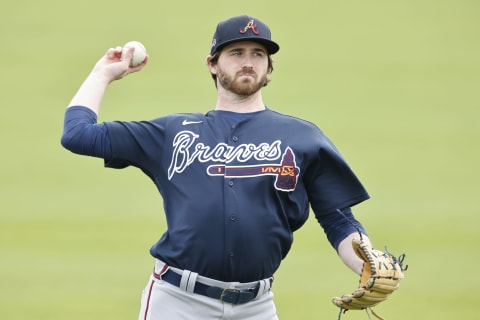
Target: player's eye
(235, 52)
(259, 53)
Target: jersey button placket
(232, 217)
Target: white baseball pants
(164, 301)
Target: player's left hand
(381, 275)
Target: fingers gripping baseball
(117, 63)
(381, 275)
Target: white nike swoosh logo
(186, 122)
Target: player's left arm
(348, 255)
(341, 227)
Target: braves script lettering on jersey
(233, 195)
(185, 153)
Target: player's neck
(229, 101)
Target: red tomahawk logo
(286, 172)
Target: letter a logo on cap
(252, 26)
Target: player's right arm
(81, 133)
(112, 66)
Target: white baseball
(139, 54)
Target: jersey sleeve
(331, 184)
(82, 135)
(137, 144)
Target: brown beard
(244, 87)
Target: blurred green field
(395, 84)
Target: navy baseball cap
(242, 28)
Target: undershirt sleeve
(337, 226)
(82, 134)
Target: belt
(229, 295)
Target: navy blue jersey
(234, 194)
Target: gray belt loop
(187, 283)
(263, 286)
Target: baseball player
(236, 181)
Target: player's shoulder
(180, 118)
(291, 120)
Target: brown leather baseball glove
(381, 275)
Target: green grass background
(395, 84)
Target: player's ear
(212, 64)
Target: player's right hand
(114, 66)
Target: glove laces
(367, 310)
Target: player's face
(242, 68)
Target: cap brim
(271, 46)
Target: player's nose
(247, 61)
(247, 64)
